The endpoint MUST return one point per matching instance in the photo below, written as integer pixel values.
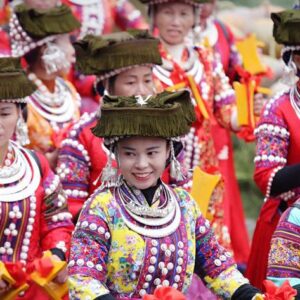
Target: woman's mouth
(142, 176)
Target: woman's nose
(141, 162)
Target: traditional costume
(129, 241)
(283, 262)
(100, 17)
(203, 74)
(83, 156)
(49, 113)
(33, 209)
(277, 152)
(220, 39)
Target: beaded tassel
(22, 131)
(109, 175)
(175, 167)
(290, 73)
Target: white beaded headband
(21, 42)
(289, 48)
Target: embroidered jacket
(283, 261)
(109, 257)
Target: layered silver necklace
(58, 107)
(156, 222)
(21, 178)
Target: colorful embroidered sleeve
(89, 252)
(272, 145)
(127, 16)
(56, 225)
(74, 164)
(224, 96)
(283, 263)
(214, 264)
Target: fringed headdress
(286, 32)
(112, 54)
(30, 28)
(14, 84)
(166, 115)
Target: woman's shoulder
(184, 197)
(275, 110)
(102, 199)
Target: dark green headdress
(30, 28)
(286, 27)
(286, 31)
(111, 54)
(14, 84)
(165, 115)
(191, 2)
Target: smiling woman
(139, 233)
(142, 160)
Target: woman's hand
(62, 276)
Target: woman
(140, 233)
(31, 196)
(182, 64)
(42, 37)
(277, 162)
(123, 64)
(100, 17)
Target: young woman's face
(9, 113)
(142, 160)
(135, 81)
(174, 21)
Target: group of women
(122, 173)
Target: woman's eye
(167, 12)
(129, 154)
(152, 153)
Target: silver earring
(22, 131)
(176, 171)
(109, 175)
(54, 59)
(289, 76)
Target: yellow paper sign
(203, 187)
